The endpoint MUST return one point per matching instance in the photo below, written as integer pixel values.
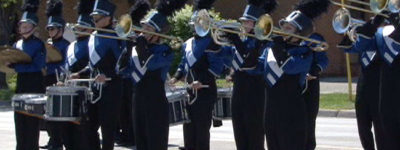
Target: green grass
(335, 101)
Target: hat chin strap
(30, 31)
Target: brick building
(233, 9)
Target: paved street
(332, 134)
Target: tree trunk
(8, 25)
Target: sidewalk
(337, 85)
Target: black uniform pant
(151, 114)
(367, 108)
(248, 102)
(104, 114)
(26, 127)
(285, 115)
(73, 137)
(311, 97)
(196, 133)
(390, 102)
(54, 129)
(125, 122)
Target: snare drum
(177, 108)
(65, 103)
(18, 101)
(222, 108)
(36, 106)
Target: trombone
(74, 27)
(124, 30)
(263, 29)
(376, 6)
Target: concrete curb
(337, 113)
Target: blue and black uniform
(73, 136)
(377, 99)
(248, 98)
(77, 55)
(29, 80)
(311, 94)
(285, 68)
(103, 57)
(200, 62)
(54, 128)
(147, 65)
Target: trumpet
(342, 22)
(263, 30)
(376, 6)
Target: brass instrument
(376, 6)
(263, 30)
(343, 23)
(125, 30)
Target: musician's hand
(172, 81)
(394, 19)
(196, 85)
(101, 78)
(310, 77)
(60, 83)
(229, 78)
(74, 76)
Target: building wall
(233, 9)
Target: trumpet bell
(394, 6)
(124, 27)
(202, 23)
(378, 6)
(264, 27)
(341, 21)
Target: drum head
(27, 96)
(39, 100)
(53, 55)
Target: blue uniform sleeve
(162, 57)
(37, 52)
(298, 62)
(321, 60)
(226, 54)
(361, 44)
(181, 72)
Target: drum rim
(50, 118)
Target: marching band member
(77, 59)
(30, 76)
(248, 98)
(200, 66)
(137, 12)
(148, 64)
(375, 104)
(55, 28)
(286, 65)
(104, 108)
(390, 89)
(311, 93)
